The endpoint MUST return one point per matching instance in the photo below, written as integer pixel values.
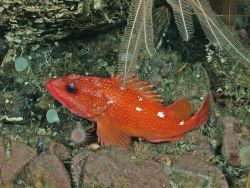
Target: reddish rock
(119, 168)
(231, 140)
(245, 156)
(46, 170)
(59, 150)
(192, 169)
(245, 135)
(77, 168)
(2, 158)
(11, 164)
(236, 141)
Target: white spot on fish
(110, 102)
(161, 114)
(97, 94)
(97, 82)
(139, 98)
(138, 109)
(181, 123)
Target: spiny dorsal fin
(181, 108)
(141, 86)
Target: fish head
(80, 94)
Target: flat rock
(2, 158)
(77, 168)
(115, 167)
(236, 141)
(46, 170)
(192, 169)
(59, 150)
(245, 156)
(119, 168)
(12, 160)
(231, 140)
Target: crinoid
(215, 29)
(138, 35)
(139, 31)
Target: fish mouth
(48, 84)
(54, 85)
(55, 88)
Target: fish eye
(71, 88)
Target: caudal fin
(200, 118)
(182, 111)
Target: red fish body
(122, 113)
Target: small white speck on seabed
(138, 109)
(161, 114)
(181, 123)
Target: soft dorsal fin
(142, 86)
(181, 108)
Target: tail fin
(182, 111)
(200, 118)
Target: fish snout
(54, 84)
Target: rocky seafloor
(38, 153)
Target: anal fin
(109, 134)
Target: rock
(12, 163)
(231, 140)
(119, 168)
(2, 157)
(59, 150)
(245, 135)
(192, 169)
(46, 170)
(7, 62)
(236, 141)
(62, 16)
(186, 171)
(245, 156)
(77, 167)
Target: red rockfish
(124, 112)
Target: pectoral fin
(109, 134)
